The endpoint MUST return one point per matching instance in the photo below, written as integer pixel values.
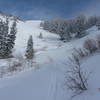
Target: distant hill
(10, 16)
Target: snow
(47, 81)
(93, 92)
(25, 29)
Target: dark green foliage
(11, 40)
(80, 26)
(30, 51)
(3, 37)
(7, 40)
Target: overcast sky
(47, 9)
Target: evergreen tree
(30, 51)
(40, 35)
(80, 26)
(2, 39)
(6, 27)
(6, 32)
(7, 40)
(11, 40)
(92, 21)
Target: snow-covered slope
(4, 15)
(47, 83)
(27, 28)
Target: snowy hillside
(3, 15)
(46, 80)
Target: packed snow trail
(30, 85)
(52, 86)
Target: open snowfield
(46, 81)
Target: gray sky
(47, 9)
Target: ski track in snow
(52, 83)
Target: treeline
(71, 28)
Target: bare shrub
(14, 66)
(19, 57)
(76, 77)
(2, 72)
(98, 41)
(90, 45)
(30, 63)
(80, 52)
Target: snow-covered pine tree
(80, 23)
(30, 51)
(92, 21)
(40, 35)
(3, 35)
(11, 40)
(6, 27)
(6, 32)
